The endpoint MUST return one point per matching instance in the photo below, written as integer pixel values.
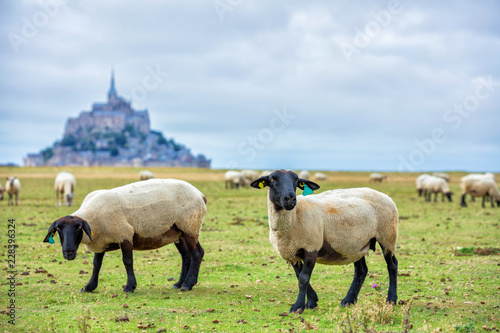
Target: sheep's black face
(70, 230)
(282, 185)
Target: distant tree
(114, 151)
(47, 153)
(68, 141)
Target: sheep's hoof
(85, 290)
(128, 289)
(186, 288)
(311, 304)
(346, 302)
(297, 309)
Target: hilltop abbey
(114, 134)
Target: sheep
(377, 177)
(145, 175)
(64, 185)
(336, 227)
(249, 176)
(445, 176)
(144, 215)
(233, 179)
(13, 186)
(420, 183)
(480, 187)
(1, 192)
(265, 173)
(471, 176)
(304, 174)
(434, 184)
(320, 176)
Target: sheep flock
(335, 227)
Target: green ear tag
(51, 240)
(307, 190)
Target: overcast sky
(330, 85)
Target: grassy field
(244, 286)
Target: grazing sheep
(320, 176)
(138, 216)
(445, 176)
(480, 187)
(335, 227)
(304, 174)
(434, 184)
(1, 192)
(377, 177)
(65, 186)
(233, 179)
(420, 183)
(471, 176)
(249, 176)
(13, 186)
(145, 175)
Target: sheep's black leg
(94, 279)
(128, 261)
(360, 271)
(312, 297)
(304, 278)
(472, 199)
(435, 197)
(482, 203)
(392, 268)
(186, 261)
(462, 202)
(196, 252)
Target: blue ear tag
(307, 190)
(51, 240)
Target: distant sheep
(13, 186)
(420, 183)
(377, 177)
(304, 174)
(233, 179)
(65, 186)
(445, 176)
(473, 176)
(249, 176)
(335, 227)
(265, 173)
(319, 176)
(138, 216)
(480, 187)
(434, 184)
(146, 174)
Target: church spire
(112, 90)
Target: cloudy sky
(371, 85)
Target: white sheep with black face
(335, 227)
(64, 185)
(233, 179)
(434, 184)
(482, 186)
(145, 215)
(377, 177)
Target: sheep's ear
(312, 185)
(261, 182)
(52, 231)
(85, 226)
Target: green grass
(244, 286)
